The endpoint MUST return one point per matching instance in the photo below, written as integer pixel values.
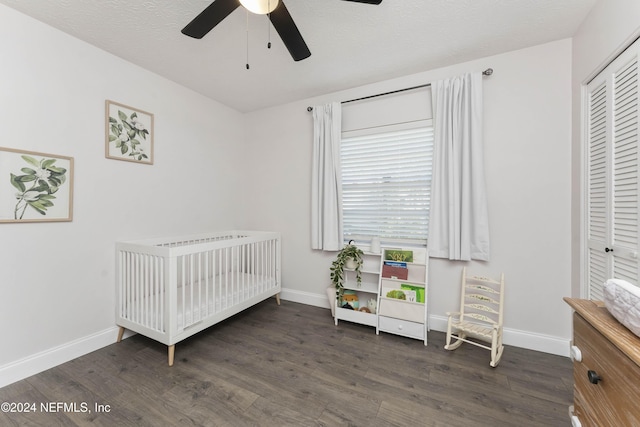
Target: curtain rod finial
(309, 108)
(488, 71)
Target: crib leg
(172, 352)
(120, 333)
(278, 299)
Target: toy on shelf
(350, 300)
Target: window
(386, 181)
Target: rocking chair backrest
(482, 299)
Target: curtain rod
(486, 72)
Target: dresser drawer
(401, 327)
(614, 399)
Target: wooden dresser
(606, 368)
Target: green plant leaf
(28, 171)
(124, 148)
(17, 184)
(45, 203)
(112, 120)
(57, 170)
(134, 115)
(40, 209)
(115, 130)
(112, 138)
(47, 163)
(123, 116)
(26, 178)
(31, 160)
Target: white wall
(57, 279)
(611, 26)
(527, 144)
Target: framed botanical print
(35, 187)
(128, 133)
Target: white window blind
(386, 181)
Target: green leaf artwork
(126, 132)
(37, 185)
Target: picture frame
(35, 187)
(128, 133)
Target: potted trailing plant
(349, 257)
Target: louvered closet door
(598, 265)
(612, 174)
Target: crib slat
(232, 277)
(206, 282)
(136, 292)
(226, 277)
(160, 294)
(146, 260)
(199, 279)
(190, 285)
(182, 289)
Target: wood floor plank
(289, 365)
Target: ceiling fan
(278, 14)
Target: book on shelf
(396, 264)
(398, 255)
(405, 294)
(417, 290)
(394, 293)
(395, 270)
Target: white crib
(171, 288)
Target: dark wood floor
(290, 366)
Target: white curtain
(326, 183)
(458, 221)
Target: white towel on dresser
(622, 299)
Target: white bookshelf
(407, 317)
(368, 290)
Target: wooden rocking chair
(480, 315)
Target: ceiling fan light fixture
(260, 7)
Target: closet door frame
(610, 231)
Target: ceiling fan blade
(210, 17)
(289, 33)
(366, 1)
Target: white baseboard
(514, 337)
(307, 298)
(31, 365)
(517, 338)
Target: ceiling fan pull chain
(269, 26)
(247, 39)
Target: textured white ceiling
(351, 43)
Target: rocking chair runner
(480, 315)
